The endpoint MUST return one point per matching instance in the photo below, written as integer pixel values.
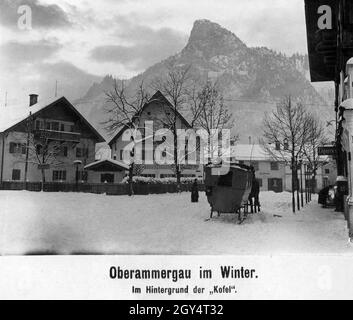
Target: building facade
(274, 175)
(159, 111)
(48, 141)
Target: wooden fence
(109, 189)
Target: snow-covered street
(71, 223)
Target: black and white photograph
(177, 129)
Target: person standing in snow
(195, 192)
(254, 194)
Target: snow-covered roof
(247, 152)
(115, 163)
(11, 115)
(18, 113)
(256, 152)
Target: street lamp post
(77, 163)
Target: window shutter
(64, 151)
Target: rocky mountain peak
(253, 79)
(209, 39)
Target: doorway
(107, 178)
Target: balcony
(57, 135)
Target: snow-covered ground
(71, 223)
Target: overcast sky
(78, 41)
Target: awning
(107, 165)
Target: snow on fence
(109, 189)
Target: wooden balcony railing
(57, 135)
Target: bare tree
(40, 149)
(316, 138)
(210, 113)
(174, 86)
(124, 111)
(287, 127)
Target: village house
(274, 175)
(49, 139)
(158, 109)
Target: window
(47, 126)
(64, 151)
(62, 127)
(226, 180)
(17, 148)
(121, 155)
(38, 124)
(327, 171)
(13, 147)
(39, 149)
(274, 166)
(241, 162)
(55, 126)
(82, 176)
(16, 175)
(82, 152)
(72, 128)
(59, 175)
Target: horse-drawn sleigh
(228, 189)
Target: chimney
(33, 99)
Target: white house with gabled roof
(156, 109)
(274, 175)
(23, 154)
